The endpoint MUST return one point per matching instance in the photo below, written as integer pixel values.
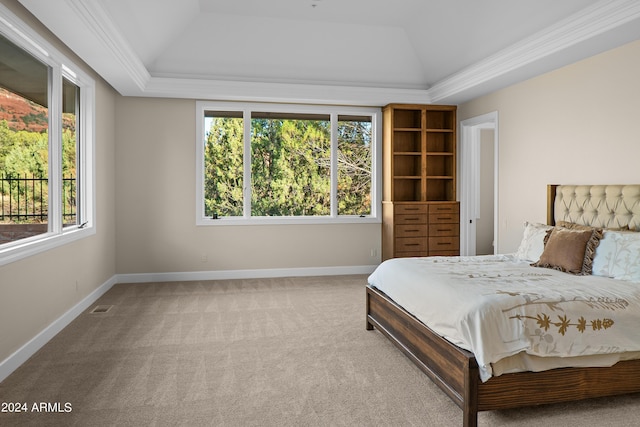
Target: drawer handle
(412, 244)
(443, 244)
(444, 229)
(412, 219)
(412, 231)
(411, 209)
(445, 218)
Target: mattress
(515, 317)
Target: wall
(575, 125)
(484, 224)
(36, 291)
(155, 187)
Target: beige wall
(575, 125)
(37, 290)
(155, 191)
(484, 224)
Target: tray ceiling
(333, 51)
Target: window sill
(287, 221)
(34, 245)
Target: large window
(46, 144)
(268, 163)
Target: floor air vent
(99, 309)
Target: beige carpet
(268, 352)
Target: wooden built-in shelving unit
(419, 170)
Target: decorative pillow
(571, 251)
(618, 256)
(532, 243)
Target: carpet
(254, 352)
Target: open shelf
(440, 165)
(407, 141)
(407, 119)
(420, 152)
(440, 120)
(442, 142)
(407, 189)
(407, 164)
(440, 188)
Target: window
(270, 163)
(46, 144)
(70, 147)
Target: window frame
(61, 67)
(331, 110)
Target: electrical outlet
(204, 257)
(373, 253)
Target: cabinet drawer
(444, 208)
(418, 230)
(412, 244)
(411, 254)
(444, 253)
(443, 230)
(411, 219)
(444, 244)
(444, 218)
(411, 209)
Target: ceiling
(333, 51)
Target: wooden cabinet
(420, 212)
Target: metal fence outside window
(24, 199)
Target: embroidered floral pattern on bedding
(563, 323)
(544, 321)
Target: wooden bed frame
(455, 370)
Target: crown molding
(593, 21)
(225, 90)
(100, 23)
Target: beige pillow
(568, 250)
(532, 243)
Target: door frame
(469, 179)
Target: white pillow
(618, 256)
(532, 244)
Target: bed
(473, 385)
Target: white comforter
(496, 306)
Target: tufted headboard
(606, 206)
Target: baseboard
(21, 355)
(243, 274)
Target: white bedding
(497, 306)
